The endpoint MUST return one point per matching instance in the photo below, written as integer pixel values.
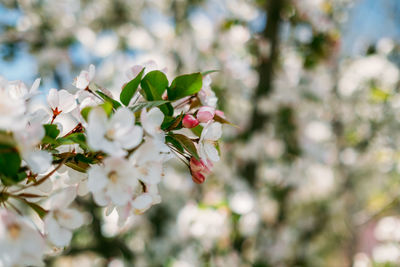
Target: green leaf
(7, 139)
(222, 120)
(13, 179)
(154, 85)
(172, 124)
(80, 166)
(85, 112)
(51, 130)
(108, 108)
(75, 138)
(197, 130)
(10, 162)
(105, 97)
(204, 73)
(174, 142)
(130, 89)
(150, 104)
(38, 209)
(185, 85)
(186, 143)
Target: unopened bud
(189, 121)
(205, 114)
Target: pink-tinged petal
(205, 114)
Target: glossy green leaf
(185, 85)
(154, 85)
(130, 89)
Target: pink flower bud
(189, 121)
(199, 170)
(220, 113)
(205, 114)
(198, 178)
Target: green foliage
(130, 89)
(150, 104)
(154, 85)
(185, 85)
(186, 143)
(106, 98)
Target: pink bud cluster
(204, 115)
(199, 170)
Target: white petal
(118, 193)
(142, 202)
(70, 218)
(53, 98)
(123, 118)
(57, 235)
(62, 199)
(92, 71)
(39, 161)
(97, 179)
(132, 139)
(35, 86)
(96, 129)
(213, 131)
(83, 189)
(211, 152)
(67, 101)
(100, 198)
(151, 120)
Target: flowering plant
(114, 150)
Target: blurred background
(311, 175)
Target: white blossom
(113, 182)
(210, 134)
(113, 135)
(61, 101)
(20, 243)
(206, 95)
(85, 77)
(61, 220)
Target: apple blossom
(206, 95)
(113, 135)
(113, 182)
(83, 80)
(97, 146)
(61, 220)
(210, 134)
(20, 243)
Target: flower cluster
(85, 142)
